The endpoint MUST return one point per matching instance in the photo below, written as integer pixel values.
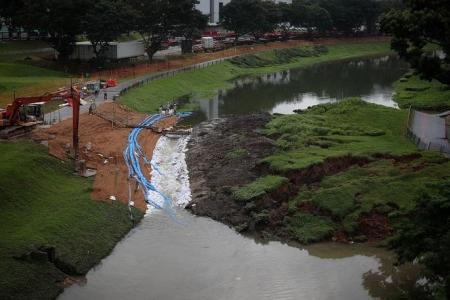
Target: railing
(151, 77)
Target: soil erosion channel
(198, 258)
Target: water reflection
(283, 92)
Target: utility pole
(75, 120)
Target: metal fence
(123, 88)
(428, 132)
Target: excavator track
(17, 130)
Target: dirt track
(101, 146)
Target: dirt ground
(101, 146)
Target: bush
(308, 228)
(258, 188)
(277, 56)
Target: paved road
(66, 112)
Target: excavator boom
(12, 123)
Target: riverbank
(28, 72)
(102, 145)
(50, 229)
(337, 171)
(411, 91)
(46, 208)
(204, 83)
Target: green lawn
(383, 186)
(204, 83)
(12, 46)
(361, 161)
(43, 204)
(27, 80)
(422, 94)
(17, 76)
(350, 127)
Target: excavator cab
(32, 112)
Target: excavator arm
(11, 117)
(12, 110)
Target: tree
(424, 236)
(347, 15)
(250, 16)
(9, 10)
(190, 24)
(419, 24)
(310, 16)
(371, 11)
(61, 19)
(271, 17)
(104, 22)
(319, 18)
(156, 20)
(284, 19)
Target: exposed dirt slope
(102, 146)
(215, 165)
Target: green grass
(277, 56)
(307, 228)
(237, 153)
(27, 80)
(12, 46)
(383, 186)
(422, 94)
(43, 203)
(349, 127)
(258, 188)
(18, 75)
(205, 82)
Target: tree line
(103, 21)
(345, 17)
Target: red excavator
(25, 113)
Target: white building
(213, 8)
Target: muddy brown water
(198, 258)
(204, 259)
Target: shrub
(258, 188)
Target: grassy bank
(204, 83)
(334, 130)
(350, 169)
(16, 74)
(43, 204)
(27, 80)
(422, 94)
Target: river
(282, 92)
(189, 257)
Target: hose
(134, 154)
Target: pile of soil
(213, 169)
(101, 146)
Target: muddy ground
(101, 146)
(215, 166)
(213, 170)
